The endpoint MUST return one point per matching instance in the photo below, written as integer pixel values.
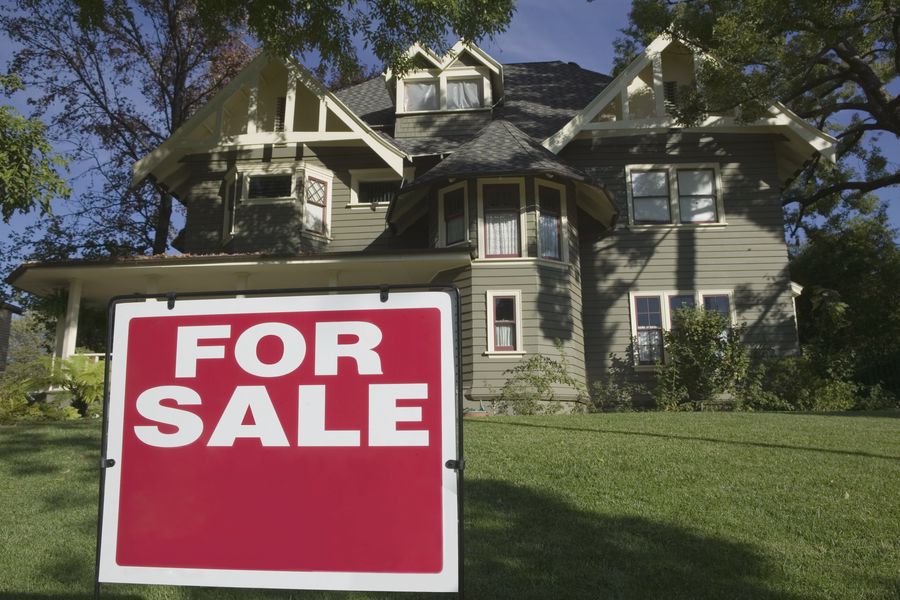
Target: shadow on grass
(886, 413)
(525, 544)
(692, 438)
(26, 447)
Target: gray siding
(446, 124)
(276, 228)
(748, 255)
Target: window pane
(698, 209)
(684, 301)
(719, 304)
(649, 183)
(314, 211)
(463, 93)
(549, 236)
(421, 96)
(652, 210)
(696, 183)
(649, 348)
(649, 311)
(376, 192)
(501, 219)
(270, 186)
(504, 323)
(504, 309)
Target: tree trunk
(163, 218)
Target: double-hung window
(674, 194)
(652, 313)
(504, 322)
(550, 221)
(501, 206)
(464, 93)
(421, 95)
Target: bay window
(550, 223)
(501, 206)
(315, 205)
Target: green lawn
(641, 505)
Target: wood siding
(747, 255)
(442, 124)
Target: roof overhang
(103, 280)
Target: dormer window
(464, 93)
(422, 95)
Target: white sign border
(447, 580)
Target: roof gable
(270, 102)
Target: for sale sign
(283, 442)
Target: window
(654, 312)
(280, 107)
(550, 224)
(459, 87)
(463, 93)
(504, 322)
(454, 216)
(650, 196)
(421, 95)
(649, 340)
(270, 187)
(501, 204)
(679, 194)
(374, 188)
(316, 204)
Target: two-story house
(568, 206)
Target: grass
(643, 505)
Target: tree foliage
(113, 93)
(330, 32)
(829, 61)
(29, 176)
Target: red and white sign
(283, 442)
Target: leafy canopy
(29, 174)
(830, 61)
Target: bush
(533, 384)
(83, 378)
(705, 358)
(618, 390)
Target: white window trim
(674, 208)
(441, 76)
(563, 223)
(327, 176)
(294, 169)
(230, 197)
(442, 229)
(523, 237)
(489, 298)
(664, 296)
(358, 176)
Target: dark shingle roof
(500, 149)
(539, 98)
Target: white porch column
(70, 322)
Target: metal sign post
(296, 439)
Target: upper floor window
(551, 220)
(274, 183)
(501, 205)
(677, 194)
(455, 88)
(374, 188)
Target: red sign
(283, 442)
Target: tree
(114, 92)
(28, 165)
(829, 61)
(331, 30)
(848, 313)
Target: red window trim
(495, 321)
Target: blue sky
(568, 30)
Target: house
(7, 310)
(569, 208)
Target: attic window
(280, 107)
(463, 93)
(422, 95)
(670, 95)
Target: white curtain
(502, 233)
(421, 96)
(505, 335)
(463, 93)
(549, 236)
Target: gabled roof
(803, 139)
(164, 158)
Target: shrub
(705, 358)
(83, 378)
(618, 390)
(533, 384)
